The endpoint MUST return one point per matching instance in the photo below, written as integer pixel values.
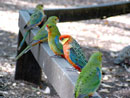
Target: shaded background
(108, 36)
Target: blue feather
(23, 40)
(36, 18)
(98, 72)
(44, 37)
(75, 59)
(58, 44)
(83, 96)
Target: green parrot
(41, 36)
(90, 77)
(53, 39)
(36, 19)
(52, 19)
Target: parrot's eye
(41, 5)
(50, 26)
(62, 38)
(100, 58)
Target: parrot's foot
(71, 69)
(127, 69)
(94, 97)
(56, 56)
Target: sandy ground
(108, 36)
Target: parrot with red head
(73, 52)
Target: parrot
(51, 19)
(53, 39)
(89, 78)
(36, 19)
(41, 36)
(73, 52)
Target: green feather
(79, 53)
(24, 51)
(54, 32)
(89, 79)
(42, 35)
(36, 18)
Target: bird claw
(71, 69)
(55, 56)
(94, 97)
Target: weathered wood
(55, 68)
(90, 12)
(27, 67)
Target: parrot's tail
(28, 48)
(24, 51)
(23, 40)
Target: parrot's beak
(64, 41)
(58, 20)
(60, 41)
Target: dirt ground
(108, 36)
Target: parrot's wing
(77, 55)
(75, 58)
(41, 35)
(58, 44)
(33, 43)
(90, 84)
(35, 19)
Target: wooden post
(27, 67)
(90, 12)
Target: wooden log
(90, 12)
(27, 67)
(100, 11)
